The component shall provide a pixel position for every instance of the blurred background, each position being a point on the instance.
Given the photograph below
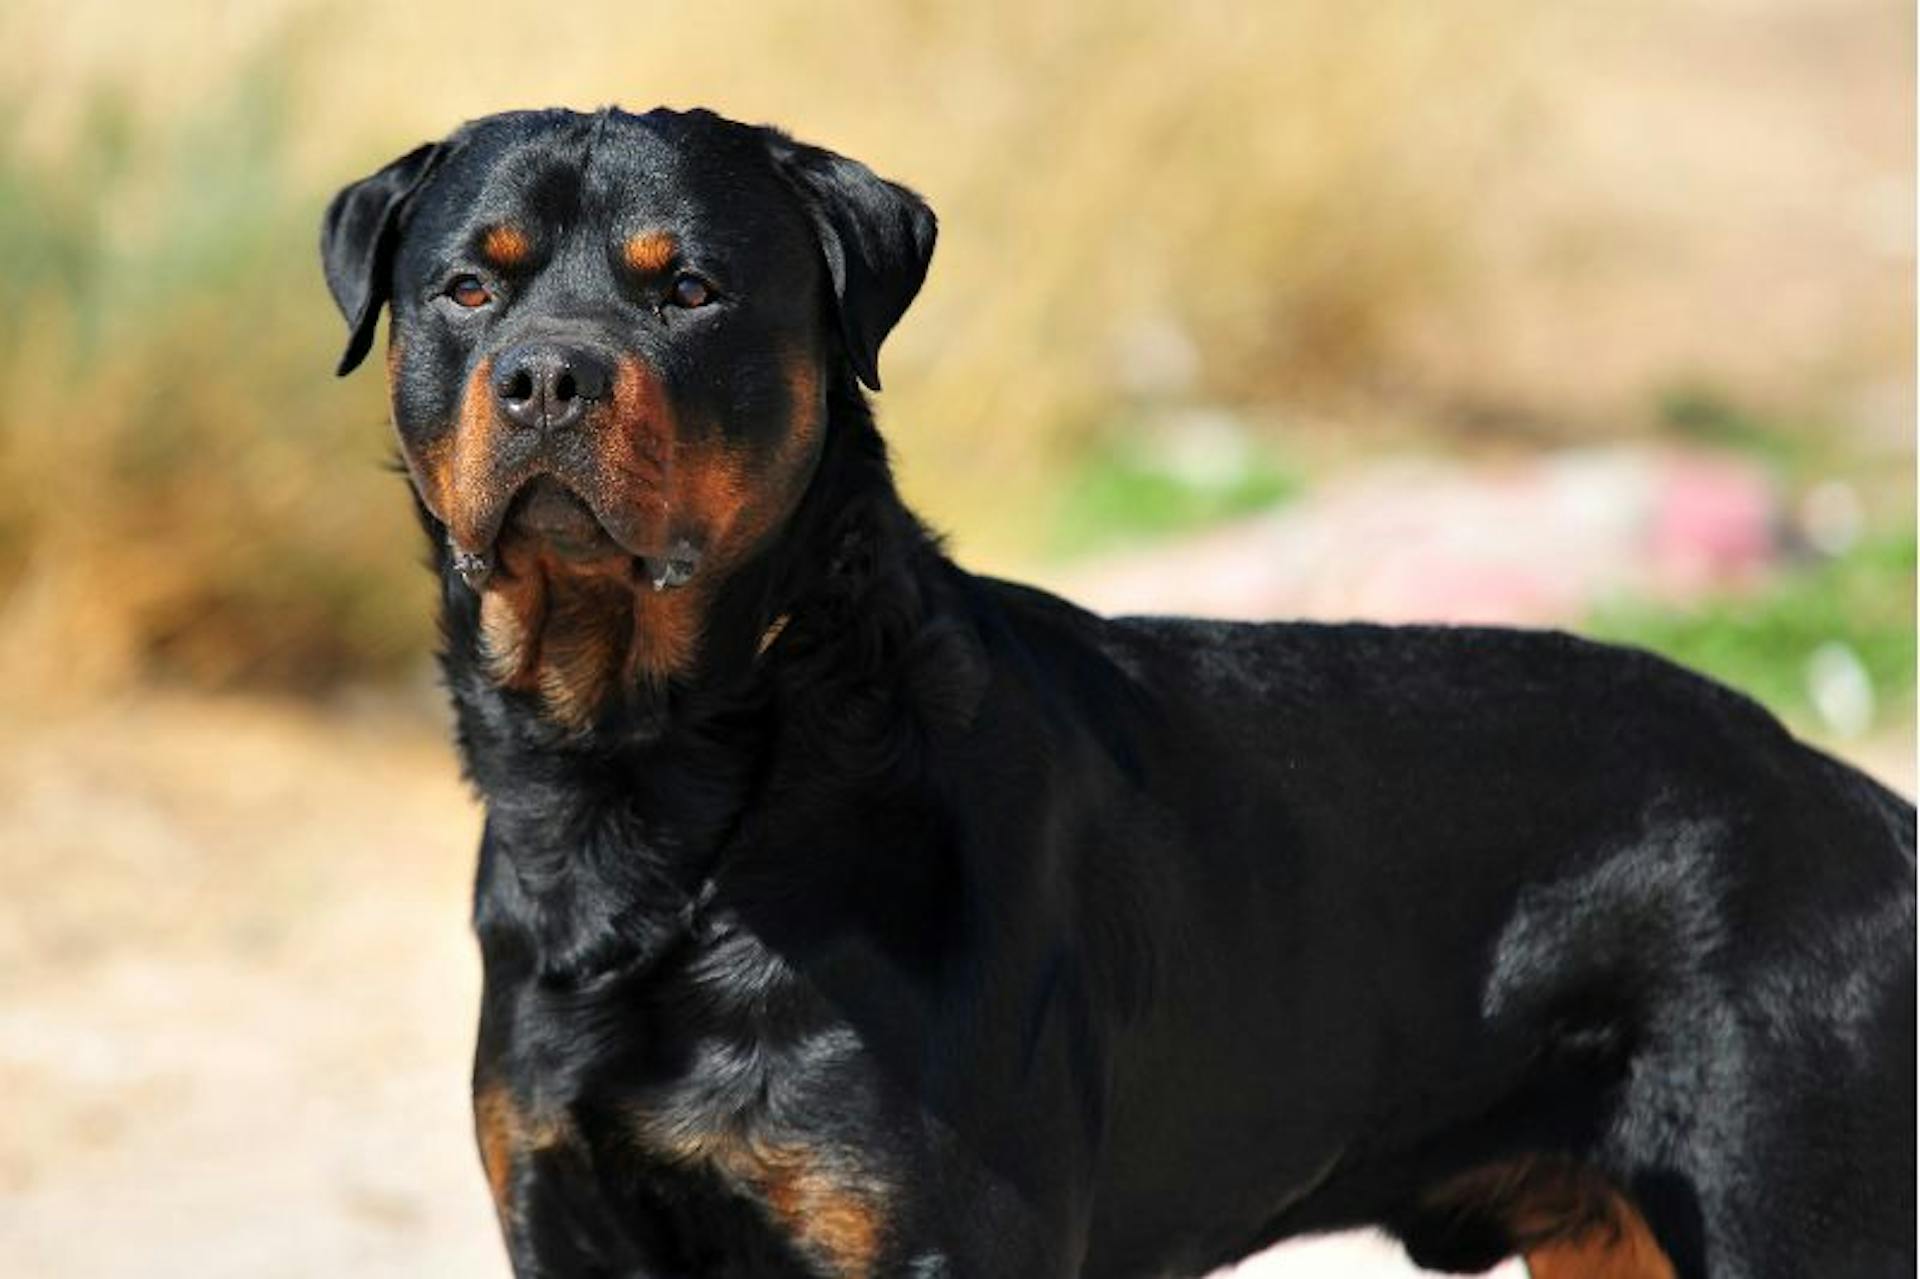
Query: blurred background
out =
(1597, 316)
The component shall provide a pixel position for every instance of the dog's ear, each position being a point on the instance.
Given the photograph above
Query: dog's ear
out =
(876, 236)
(357, 243)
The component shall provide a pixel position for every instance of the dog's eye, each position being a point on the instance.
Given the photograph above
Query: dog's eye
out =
(691, 291)
(468, 291)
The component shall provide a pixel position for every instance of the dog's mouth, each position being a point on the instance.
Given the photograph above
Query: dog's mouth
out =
(549, 511)
(550, 514)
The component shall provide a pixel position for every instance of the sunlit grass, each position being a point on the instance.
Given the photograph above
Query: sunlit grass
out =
(1143, 485)
(1857, 609)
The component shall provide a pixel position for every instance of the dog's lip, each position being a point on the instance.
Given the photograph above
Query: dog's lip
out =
(548, 509)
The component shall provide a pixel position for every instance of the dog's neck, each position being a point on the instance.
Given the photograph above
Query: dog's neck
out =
(817, 647)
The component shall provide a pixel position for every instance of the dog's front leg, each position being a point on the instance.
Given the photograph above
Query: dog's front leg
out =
(553, 1213)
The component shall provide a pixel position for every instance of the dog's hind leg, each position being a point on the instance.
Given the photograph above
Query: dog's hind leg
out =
(1777, 1141)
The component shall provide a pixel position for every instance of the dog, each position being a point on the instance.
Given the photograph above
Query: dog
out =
(844, 913)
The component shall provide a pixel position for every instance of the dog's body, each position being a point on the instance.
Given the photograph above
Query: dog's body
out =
(847, 914)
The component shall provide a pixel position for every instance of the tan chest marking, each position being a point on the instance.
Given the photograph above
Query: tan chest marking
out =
(577, 633)
(509, 1134)
(834, 1212)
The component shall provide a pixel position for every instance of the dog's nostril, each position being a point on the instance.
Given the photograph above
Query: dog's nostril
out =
(548, 387)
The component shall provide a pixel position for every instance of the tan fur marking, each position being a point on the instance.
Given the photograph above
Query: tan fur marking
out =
(505, 245)
(434, 473)
(508, 1133)
(647, 474)
(457, 474)
(581, 647)
(495, 1120)
(833, 1212)
(806, 424)
(556, 626)
(510, 618)
(572, 631)
(736, 498)
(711, 483)
(649, 252)
(1567, 1219)
(1625, 1249)
(806, 407)
(635, 449)
(730, 498)
(429, 462)
(667, 626)
(834, 1216)
(577, 631)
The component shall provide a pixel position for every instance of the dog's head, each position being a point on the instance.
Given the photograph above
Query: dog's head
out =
(612, 341)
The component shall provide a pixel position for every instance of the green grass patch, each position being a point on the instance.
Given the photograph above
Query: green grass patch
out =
(1762, 643)
(1137, 488)
(1804, 449)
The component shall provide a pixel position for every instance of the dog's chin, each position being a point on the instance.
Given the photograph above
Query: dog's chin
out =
(550, 514)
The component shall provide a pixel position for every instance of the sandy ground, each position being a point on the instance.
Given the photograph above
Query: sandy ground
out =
(236, 996)
(237, 992)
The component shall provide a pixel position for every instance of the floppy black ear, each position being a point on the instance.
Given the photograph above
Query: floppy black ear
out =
(357, 241)
(876, 236)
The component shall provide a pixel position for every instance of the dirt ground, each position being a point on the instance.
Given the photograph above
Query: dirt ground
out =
(237, 994)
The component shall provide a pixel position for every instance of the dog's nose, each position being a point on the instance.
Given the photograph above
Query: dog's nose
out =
(548, 387)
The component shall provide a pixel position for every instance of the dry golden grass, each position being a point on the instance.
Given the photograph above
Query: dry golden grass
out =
(1307, 203)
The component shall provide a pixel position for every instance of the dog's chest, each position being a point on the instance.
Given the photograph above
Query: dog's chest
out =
(724, 1082)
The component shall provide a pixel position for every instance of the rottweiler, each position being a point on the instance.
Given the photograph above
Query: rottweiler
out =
(846, 913)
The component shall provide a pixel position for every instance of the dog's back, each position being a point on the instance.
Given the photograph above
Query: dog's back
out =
(1500, 931)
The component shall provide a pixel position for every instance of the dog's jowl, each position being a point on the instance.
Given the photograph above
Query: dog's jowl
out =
(847, 914)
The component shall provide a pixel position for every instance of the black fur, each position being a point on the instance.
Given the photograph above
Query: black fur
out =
(357, 241)
(965, 933)
(877, 239)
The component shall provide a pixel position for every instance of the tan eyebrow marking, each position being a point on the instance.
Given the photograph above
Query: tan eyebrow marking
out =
(505, 245)
(649, 251)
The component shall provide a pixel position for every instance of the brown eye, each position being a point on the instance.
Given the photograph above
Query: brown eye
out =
(469, 292)
(691, 291)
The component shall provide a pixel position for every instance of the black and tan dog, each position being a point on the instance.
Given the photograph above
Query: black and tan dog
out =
(844, 913)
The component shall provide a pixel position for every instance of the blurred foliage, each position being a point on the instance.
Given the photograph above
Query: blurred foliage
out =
(187, 497)
(214, 508)
(1272, 189)
(1124, 490)
(1707, 415)
(1763, 643)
